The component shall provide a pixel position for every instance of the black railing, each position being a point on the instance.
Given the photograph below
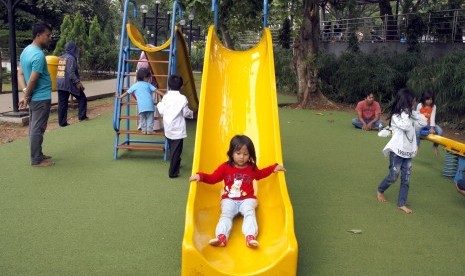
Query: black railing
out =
(435, 26)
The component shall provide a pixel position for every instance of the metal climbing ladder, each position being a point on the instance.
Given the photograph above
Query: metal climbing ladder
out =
(127, 136)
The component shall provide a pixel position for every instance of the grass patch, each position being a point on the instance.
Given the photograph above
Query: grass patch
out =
(92, 215)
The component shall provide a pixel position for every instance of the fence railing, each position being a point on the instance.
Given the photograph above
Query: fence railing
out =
(435, 26)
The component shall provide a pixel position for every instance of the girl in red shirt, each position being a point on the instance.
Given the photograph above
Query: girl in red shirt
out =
(238, 195)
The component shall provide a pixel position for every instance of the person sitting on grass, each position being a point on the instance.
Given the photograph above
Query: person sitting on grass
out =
(238, 195)
(427, 107)
(369, 114)
(145, 105)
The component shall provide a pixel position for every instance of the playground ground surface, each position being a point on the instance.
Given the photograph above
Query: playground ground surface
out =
(92, 215)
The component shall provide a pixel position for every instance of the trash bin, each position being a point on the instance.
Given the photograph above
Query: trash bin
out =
(52, 65)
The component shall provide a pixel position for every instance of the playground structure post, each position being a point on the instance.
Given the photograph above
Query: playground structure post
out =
(189, 41)
(155, 39)
(10, 6)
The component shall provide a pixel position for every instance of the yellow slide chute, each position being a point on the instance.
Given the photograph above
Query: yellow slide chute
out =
(238, 96)
(158, 58)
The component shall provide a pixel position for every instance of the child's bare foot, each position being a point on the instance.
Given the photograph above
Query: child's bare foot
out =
(381, 197)
(406, 210)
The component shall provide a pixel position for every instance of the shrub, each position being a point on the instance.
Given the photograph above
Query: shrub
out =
(446, 77)
(197, 55)
(284, 72)
(356, 73)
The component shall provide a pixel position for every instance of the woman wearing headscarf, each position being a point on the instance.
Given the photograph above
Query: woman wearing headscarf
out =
(68, 82)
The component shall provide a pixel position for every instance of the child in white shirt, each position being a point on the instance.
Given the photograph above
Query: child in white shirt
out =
(402, 147)
(174, 109)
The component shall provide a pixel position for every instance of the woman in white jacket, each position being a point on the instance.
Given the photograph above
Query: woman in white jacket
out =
(402, 147)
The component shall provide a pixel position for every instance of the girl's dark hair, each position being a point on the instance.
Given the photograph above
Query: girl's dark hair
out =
(143, 73)
(428, 94)
(403, 102)
(237, 142)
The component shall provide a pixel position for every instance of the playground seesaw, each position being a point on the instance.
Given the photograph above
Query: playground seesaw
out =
(449, 144)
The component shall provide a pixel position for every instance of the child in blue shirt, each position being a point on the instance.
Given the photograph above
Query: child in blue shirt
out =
(144, 95)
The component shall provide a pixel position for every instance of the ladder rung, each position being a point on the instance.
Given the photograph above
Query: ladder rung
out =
(149, 61)
(138, 132)
(134, 74)
(142, 147)
(135, 117)
(129, 103)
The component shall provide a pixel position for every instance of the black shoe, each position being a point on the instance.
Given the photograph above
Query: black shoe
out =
(174, 176)
(84, 119)
(64, 125)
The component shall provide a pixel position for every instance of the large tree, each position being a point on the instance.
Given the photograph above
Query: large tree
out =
(234, 17)
(305, 57)
(385, 11)
(54, 11)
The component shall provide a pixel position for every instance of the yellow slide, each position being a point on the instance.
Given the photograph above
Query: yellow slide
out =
(449, 144)
(158, 58)
(238, 96)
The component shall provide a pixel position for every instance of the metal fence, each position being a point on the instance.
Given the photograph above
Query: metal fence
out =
(436, 26)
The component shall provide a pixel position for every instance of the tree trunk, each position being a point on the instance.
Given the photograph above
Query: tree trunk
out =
(227, 41)
(1, 74)
(305, 54)
(385, 11)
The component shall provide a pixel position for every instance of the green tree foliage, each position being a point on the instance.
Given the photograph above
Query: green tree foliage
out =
(78, 34)
(415, 29)
(234, 17)
(101, 56)
(446, 77)
(285, 34)
(65, 30)
(347, 78)
(53, 11)
(284, 72)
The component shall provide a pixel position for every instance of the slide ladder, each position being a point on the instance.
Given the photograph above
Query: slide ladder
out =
(169, 58)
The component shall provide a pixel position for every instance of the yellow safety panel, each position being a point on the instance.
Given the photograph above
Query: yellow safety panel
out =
(160, 68)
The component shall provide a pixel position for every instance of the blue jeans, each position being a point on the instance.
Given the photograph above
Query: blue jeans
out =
(402, 166)
(437, 130)
(146, 121)
(378, 124)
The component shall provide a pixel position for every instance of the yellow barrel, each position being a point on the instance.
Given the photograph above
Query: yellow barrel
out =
(52, 65)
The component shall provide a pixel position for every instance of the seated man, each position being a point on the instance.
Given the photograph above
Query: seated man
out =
(369, 114)
(461, 186)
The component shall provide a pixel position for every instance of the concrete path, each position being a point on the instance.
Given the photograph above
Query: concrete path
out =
(94, 90)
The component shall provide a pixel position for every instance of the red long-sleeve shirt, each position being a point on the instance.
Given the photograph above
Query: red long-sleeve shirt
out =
(238, 182)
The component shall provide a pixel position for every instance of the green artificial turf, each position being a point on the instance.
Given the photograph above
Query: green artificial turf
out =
(92, 215)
